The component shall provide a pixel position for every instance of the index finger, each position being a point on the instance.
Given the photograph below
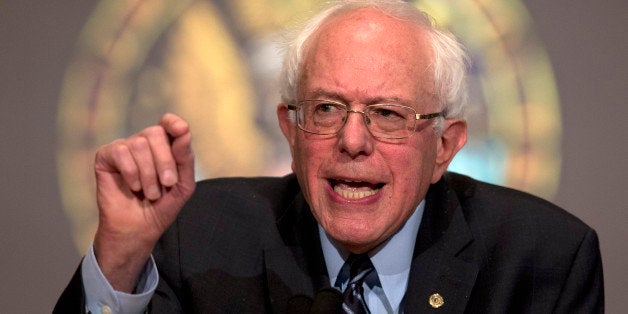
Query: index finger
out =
(180, 140)
(174, 125)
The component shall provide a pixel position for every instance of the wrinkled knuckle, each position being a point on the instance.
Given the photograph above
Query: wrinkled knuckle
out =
(129, 172)
(139, 143)
(154, 131)
(100, 152)
(119, 149)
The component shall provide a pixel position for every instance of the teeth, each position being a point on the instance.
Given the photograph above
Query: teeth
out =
(352, 193)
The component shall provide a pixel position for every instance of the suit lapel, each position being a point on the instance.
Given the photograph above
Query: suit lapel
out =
(442, 267)
(294, 262)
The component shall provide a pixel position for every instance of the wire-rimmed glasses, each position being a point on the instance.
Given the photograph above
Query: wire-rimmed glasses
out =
(384, 121)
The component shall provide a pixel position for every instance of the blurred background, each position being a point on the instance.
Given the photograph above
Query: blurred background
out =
(547, 110)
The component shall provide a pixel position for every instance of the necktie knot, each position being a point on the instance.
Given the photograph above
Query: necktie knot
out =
(353, 297)
(359, 266)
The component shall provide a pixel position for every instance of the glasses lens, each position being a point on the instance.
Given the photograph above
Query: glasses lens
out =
(390, 121)
(321, 117)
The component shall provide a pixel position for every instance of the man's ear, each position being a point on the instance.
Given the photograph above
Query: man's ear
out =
(286, 123)
(452, 139)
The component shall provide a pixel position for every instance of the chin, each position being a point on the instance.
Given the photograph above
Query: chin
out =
(357, 238)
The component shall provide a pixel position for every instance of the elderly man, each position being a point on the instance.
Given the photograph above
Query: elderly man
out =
(372, 110)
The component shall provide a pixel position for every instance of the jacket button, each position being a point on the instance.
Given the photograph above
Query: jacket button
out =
(436, 300)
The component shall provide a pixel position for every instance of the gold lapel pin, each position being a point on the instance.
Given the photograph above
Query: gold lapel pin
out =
(436, 300)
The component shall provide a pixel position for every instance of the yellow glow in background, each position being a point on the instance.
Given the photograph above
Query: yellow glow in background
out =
(216, 64)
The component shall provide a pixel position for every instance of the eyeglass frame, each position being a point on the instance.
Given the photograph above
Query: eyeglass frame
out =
(366, 118)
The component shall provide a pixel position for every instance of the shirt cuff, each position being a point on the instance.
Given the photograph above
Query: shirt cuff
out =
(100, 297)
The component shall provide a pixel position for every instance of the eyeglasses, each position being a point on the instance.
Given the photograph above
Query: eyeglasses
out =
(384, 121)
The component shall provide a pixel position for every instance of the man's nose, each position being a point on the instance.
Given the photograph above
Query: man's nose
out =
(355, 138)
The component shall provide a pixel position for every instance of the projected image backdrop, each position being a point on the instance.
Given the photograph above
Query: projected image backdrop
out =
(216, 64)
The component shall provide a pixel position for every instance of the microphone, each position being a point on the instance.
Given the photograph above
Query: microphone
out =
(326, 301)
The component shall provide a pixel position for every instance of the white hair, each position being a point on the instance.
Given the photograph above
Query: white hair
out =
(448, 67)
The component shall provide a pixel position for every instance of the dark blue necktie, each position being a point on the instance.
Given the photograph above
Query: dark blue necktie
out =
(353, 298)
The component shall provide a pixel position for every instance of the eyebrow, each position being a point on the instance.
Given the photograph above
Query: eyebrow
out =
(326, 94)
(322, 93)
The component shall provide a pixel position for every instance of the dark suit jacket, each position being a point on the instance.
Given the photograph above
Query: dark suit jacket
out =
(249, 245)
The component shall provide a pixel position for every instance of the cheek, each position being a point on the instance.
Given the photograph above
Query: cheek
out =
(300, 162)
(412, 169)
(407, 164)
(303, 156)
(307, 157)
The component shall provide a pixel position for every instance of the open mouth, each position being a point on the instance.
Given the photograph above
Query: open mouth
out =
(355, 189)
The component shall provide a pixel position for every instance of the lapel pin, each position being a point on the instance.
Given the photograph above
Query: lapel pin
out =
(436, 300)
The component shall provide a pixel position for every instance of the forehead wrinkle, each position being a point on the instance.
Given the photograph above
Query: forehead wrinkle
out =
(367, 99)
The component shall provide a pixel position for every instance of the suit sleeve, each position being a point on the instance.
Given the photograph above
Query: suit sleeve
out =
(168, 296)
(583, 291)
(72, 300)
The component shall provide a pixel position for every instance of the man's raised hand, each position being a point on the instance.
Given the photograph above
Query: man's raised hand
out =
(142, 183)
